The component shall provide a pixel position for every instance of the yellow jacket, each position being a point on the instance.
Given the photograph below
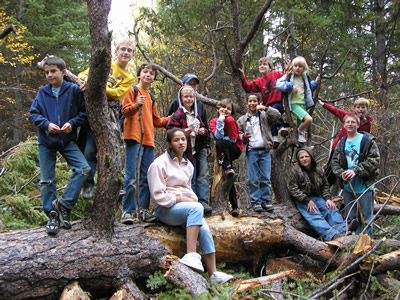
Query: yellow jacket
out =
(118, 83)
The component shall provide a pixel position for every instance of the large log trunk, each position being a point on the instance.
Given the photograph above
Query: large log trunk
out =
(35, 264)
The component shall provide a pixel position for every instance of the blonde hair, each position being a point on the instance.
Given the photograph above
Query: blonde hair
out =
(266, 60)
(362, 102)
(299, 60)
(125, 41)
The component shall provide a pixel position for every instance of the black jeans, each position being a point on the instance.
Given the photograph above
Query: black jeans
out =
(228, 152)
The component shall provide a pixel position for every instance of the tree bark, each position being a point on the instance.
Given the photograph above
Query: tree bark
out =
(33, 264)
(102, 121)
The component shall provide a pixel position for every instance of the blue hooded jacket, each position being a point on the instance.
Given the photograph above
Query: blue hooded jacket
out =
(68, 107)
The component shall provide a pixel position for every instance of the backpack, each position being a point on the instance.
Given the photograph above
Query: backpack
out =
(121, 116)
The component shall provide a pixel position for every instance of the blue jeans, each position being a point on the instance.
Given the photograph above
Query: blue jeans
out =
(90, 153)
(188, 214)
(200, 184)
(80, 170)
(367, 209)
(327, 222)
(146, 158)
(259, 176)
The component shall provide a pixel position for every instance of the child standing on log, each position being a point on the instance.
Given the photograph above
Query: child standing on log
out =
(131, 107)
(118, 84)
(187, 117)
(229, 145)
(356, 162)
(57, 111)
(361, 106)
(255, 130)
(299, 88)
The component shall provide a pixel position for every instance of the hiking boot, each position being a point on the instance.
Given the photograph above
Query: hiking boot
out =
(283, 132)
(220, 277)
(229, 172)
(267, 207)
(147, 216)
(193, 261)
(235, 212)
(127, 218)
(258, 208)
(87, 193)
(300, 137)
(63, 213)
(207, 208)
(52, 226)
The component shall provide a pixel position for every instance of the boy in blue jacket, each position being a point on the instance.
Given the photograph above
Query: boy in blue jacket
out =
(57, 111)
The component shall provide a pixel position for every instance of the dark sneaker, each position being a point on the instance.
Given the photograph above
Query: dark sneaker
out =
(258, 208)
(87, 193)
(207, 208)
(283, 132)
(127, 218)
(52, 226)
(147, 216)
(235, 212)
(229, 173)
(352, 226)
(267, 207)
(63, 213)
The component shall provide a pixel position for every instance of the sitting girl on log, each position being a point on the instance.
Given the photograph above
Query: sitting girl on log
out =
(169, 178)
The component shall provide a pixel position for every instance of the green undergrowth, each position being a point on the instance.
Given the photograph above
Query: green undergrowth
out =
(20, 203)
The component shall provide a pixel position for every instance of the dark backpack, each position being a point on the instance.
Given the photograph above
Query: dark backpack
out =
(121, 116)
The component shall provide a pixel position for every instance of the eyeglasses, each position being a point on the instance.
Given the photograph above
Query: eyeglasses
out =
(124, 49)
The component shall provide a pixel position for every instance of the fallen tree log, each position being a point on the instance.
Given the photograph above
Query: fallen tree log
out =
(33, 264)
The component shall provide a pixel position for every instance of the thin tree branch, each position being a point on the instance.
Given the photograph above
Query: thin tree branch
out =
(344, 97)
(256, 24)
(331, 284)
(338, 68)
(10, 28)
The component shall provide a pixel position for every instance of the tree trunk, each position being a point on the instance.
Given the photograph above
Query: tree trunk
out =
(102, 121)
(34, 264)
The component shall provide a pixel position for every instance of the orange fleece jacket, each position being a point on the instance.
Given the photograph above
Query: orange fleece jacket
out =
(150, 117)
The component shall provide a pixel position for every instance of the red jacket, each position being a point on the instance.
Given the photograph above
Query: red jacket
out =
(365, 125)
(265, 86)
(231, 130)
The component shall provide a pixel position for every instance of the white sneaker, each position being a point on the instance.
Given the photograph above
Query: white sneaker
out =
(220, 277)
(193, 261)
(127, 218)
(300, 137)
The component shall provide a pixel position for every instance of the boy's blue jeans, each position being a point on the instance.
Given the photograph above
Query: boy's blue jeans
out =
(327, 222)
(367, 209)
(188, 214)
(146, 158)
(200, 183)
(80, 170)
(259, 176)
(90, 153)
